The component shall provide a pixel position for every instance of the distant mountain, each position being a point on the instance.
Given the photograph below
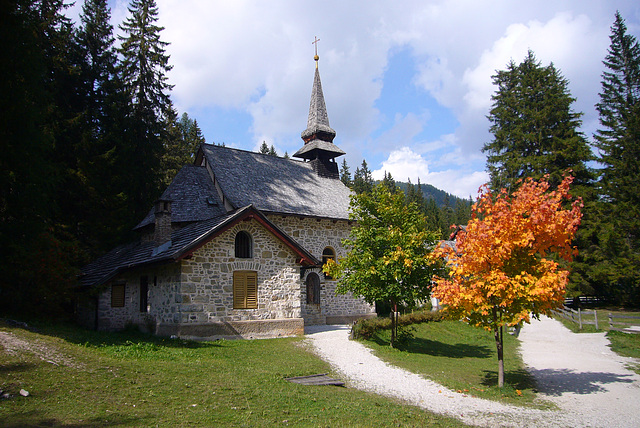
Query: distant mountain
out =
(429, 191)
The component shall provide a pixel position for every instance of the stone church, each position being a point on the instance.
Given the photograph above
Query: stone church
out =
(235, 247)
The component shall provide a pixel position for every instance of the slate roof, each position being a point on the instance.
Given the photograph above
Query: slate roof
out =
(193, 197)
(276, 185)
(318, 120)
(183, 241)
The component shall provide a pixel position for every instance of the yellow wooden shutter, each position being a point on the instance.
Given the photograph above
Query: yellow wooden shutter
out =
(252, 290)
(245, 290)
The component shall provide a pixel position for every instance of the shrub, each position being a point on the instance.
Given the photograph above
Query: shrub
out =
(366, 328)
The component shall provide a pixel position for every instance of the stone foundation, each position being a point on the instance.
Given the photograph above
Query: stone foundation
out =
(255, 329)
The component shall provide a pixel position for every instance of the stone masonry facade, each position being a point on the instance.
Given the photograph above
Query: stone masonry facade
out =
(194, 297)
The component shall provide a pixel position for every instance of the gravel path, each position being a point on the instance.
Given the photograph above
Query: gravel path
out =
(362, 370)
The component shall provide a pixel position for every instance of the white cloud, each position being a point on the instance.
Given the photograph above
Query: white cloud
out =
(402, 164)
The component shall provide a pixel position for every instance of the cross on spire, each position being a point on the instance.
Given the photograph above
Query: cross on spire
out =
(315, 43)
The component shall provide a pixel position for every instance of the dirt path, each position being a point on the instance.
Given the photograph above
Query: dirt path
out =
(581, 374)
(363, 370)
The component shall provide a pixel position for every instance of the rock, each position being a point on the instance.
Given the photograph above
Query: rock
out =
(24, 393)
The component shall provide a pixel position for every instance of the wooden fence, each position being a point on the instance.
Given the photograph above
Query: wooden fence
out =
(625, 323)
(577, 316)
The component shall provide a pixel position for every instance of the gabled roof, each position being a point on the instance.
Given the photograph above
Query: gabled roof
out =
(275, 185)
(183, 243)
(193, 197)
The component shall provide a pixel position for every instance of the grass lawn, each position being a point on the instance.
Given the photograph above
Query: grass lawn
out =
(81, 378)
(462, 358)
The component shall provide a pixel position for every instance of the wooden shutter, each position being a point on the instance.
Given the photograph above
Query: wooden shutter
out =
(117, 296)
(245, 290)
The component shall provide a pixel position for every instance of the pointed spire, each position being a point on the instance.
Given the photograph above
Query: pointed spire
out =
(318, 122)
(318, 137)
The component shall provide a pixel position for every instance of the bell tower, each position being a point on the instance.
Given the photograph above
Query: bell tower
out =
(318, 147)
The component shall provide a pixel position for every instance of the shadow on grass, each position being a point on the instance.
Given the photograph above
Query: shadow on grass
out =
(518, 379)
(81, 336)
(15, 367)
(40, 419)
(417, 345)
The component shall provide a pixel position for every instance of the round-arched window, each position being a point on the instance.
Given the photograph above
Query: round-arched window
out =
(244, 245)
(328, 253)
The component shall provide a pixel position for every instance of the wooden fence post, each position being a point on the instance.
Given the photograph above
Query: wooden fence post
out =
(580, 318)
(595, 315)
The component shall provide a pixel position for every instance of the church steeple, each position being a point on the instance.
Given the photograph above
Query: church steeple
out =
(318, 137)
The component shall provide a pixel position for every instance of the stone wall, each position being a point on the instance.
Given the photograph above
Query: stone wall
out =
(206, 293)
(315, 235)
(163, 284)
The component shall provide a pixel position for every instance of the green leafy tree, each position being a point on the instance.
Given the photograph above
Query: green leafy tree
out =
(389, 252)
(534, 127)
(144, 69)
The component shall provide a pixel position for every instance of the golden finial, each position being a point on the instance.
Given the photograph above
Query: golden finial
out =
(315, 42)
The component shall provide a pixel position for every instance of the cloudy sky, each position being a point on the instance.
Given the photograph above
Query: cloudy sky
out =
(407, 83)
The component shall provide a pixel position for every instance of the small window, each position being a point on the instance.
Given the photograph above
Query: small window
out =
(328, 253)
(245, 290)
(244, 246)
(313, 289)
(117, 296)
(144, 294)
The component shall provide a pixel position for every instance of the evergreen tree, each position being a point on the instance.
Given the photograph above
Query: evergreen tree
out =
(103, 218)
(345, 174)
(535, 130)
(617, 253)
(389, 182)
(264, 148)
(144, 67)
(184, 139)
(362, 180)
(272, 151)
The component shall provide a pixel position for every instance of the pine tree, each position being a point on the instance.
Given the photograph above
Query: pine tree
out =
(144, 71)
(614, 263)
(362, 180)
(264, 148)
(389, 182)
(535, 130)
(345, 174)
(183, 140)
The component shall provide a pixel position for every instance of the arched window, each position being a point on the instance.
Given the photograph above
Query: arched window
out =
(313, 289)
(328, 253)
(244, 245)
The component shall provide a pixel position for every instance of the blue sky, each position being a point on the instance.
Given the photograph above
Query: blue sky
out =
(407, 83)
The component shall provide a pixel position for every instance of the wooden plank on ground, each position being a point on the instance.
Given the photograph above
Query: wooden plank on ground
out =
(317, 379)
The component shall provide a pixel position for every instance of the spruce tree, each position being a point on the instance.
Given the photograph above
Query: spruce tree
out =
(362, 180)
(144, 69)
(534, 127)
(345, 174)
(614, 226)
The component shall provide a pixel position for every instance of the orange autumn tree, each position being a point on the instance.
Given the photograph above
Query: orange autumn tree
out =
(507, 264)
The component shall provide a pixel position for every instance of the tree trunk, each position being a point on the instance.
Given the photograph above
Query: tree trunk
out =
(394, 323)
(497, 333)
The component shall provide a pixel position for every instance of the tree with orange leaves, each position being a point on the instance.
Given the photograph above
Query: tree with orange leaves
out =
(506, 266)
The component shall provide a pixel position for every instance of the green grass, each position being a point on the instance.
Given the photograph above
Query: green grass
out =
(130, 379)
(627, 345)
(462, 358)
